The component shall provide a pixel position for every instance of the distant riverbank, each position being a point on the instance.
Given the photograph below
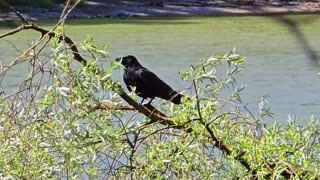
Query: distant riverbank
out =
(98, 8)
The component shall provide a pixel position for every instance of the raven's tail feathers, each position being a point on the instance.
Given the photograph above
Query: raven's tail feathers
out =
(176, 98)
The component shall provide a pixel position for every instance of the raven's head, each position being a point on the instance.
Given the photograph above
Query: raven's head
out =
(128, 61)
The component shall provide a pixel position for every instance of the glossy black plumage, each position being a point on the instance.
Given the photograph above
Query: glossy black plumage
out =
(145, 82)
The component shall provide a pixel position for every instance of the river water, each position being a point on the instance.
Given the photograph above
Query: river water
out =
(282, 59)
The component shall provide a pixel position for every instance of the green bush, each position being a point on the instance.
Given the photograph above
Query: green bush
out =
(55, 125)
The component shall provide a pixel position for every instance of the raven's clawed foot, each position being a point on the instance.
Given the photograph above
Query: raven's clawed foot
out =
(148, 104)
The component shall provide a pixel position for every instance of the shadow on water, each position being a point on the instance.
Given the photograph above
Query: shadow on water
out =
(160, 20)
(9, 24)
(294, 28)
(178, 20)
(134, 21)
(150, 20)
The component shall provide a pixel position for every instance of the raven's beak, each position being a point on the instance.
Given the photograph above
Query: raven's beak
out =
(119, 59)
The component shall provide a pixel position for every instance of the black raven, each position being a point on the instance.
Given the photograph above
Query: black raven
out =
(145, 82)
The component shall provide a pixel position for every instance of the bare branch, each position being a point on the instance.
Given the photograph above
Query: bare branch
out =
(5, 4)
(44, 33)
(108, 107)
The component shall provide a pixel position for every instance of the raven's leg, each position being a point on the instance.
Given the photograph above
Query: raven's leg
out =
(142, 101)
(149, 103)
(146, 104)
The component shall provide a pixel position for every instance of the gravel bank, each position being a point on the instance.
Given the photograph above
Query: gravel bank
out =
(98, 8)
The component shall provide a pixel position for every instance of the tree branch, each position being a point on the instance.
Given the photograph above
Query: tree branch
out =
(6, 5)
(158, 117)
(108, 107)
(149, 111)
(44, 33)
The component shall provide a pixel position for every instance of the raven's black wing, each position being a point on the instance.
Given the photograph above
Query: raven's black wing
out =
(153, 86)
(127, 81)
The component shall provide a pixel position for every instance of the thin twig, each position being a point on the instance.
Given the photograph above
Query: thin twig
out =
(198, 100)
(44, 33)
(5, 4)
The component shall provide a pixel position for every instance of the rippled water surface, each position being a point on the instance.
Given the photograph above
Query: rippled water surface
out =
(280, 55)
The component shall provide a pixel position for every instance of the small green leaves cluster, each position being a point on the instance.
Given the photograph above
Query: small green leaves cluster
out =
(52, 132)
(49, 130)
